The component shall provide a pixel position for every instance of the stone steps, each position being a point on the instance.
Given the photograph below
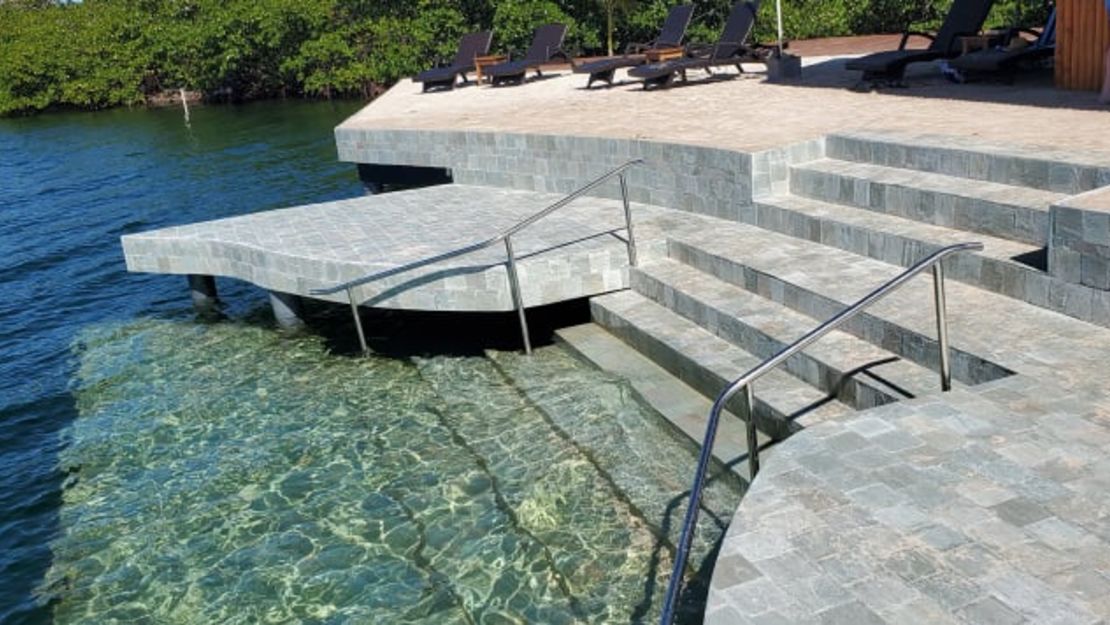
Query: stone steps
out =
(706, 362)
(1007, 267)
(990, 208)
(975, 158)
(856, 372)
(991, 335)
(683, 407)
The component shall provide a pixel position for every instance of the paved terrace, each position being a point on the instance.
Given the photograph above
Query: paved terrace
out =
(750, 114)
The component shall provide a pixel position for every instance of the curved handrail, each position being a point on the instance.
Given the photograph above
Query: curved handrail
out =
(480, 245)
(745, 382)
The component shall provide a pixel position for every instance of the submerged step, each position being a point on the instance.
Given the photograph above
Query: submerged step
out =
(855, 371)
(683, 407)
(648, 460)
(553, 493)
(1004, 211)
(708, 363)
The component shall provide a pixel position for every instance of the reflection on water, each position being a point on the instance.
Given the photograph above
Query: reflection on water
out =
(229, 473)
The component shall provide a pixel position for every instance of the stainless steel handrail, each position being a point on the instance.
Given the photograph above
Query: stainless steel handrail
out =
(744, 383)
(503, 236)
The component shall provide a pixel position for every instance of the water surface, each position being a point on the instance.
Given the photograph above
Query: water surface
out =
(159, 468)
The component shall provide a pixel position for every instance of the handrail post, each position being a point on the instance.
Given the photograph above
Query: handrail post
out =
(633, 260)
(358, 321)
(518, 298)
(753, 434)
(942, 327)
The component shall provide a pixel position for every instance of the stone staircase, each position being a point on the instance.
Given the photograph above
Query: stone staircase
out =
(728, 294)
(898, 199)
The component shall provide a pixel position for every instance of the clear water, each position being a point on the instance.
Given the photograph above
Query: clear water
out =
(157, 468)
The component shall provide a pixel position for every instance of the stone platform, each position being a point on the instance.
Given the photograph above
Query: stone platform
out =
(576, 252)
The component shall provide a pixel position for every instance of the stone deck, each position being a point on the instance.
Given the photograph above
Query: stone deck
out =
(299, 249)
(750, 114)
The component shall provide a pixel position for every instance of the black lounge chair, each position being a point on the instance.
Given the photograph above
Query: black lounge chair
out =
(1007, 60)
(965, 18)
(547, 43)
(671, 36)
(470, 46)
(731, 49)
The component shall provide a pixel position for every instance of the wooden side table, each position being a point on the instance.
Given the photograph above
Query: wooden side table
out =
(486, 61)
(664, 54)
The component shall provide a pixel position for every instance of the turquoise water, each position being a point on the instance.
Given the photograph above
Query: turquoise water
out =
(159, 468)
(227, 473)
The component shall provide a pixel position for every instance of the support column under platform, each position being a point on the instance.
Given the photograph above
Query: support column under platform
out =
(203, 291)
(288, 310)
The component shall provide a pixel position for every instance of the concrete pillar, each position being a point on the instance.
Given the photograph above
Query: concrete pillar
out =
(203, 291)
(287, 310)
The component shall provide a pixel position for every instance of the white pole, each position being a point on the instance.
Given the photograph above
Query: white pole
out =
(184, 104)
(778, 11)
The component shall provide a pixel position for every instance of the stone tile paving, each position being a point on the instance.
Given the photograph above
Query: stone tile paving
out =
(749, 113)
(298, 249)
(989, 505)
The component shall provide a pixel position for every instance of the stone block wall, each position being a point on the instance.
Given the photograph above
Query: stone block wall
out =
(704, 180)
(1079, 241)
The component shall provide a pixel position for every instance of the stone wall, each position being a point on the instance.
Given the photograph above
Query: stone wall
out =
(1079, 240)
(709, 181)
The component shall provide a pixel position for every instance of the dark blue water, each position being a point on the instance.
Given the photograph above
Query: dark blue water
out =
(70, 185)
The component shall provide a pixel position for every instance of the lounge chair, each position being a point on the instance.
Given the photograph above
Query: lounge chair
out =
(1006, 60)
(671, 36)
(470, 46)
(547, 43)
(965, 18)
(731, 49)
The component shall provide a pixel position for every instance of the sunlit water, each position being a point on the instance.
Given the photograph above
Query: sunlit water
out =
(156, 468)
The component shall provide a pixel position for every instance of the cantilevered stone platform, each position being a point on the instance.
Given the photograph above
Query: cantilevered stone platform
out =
(576, 252)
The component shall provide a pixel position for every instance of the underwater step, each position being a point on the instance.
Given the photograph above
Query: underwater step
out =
(320, 488)
(683, 407)
(639, 451)
(600, 547)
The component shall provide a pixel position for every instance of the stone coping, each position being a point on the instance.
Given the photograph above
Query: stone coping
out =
(1097, 200)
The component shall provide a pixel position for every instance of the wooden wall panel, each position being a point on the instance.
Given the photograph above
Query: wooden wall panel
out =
(1082, 37)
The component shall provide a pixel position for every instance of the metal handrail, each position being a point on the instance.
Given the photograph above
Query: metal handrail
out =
(504, 236)
(744, 383)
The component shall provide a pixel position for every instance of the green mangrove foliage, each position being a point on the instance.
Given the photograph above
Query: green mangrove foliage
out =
(101, 53)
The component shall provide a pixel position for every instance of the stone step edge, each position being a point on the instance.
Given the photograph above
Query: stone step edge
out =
(684, 408)
(860, 391)
(1016, 165)
(995, 274)
(777, 422)
(1000, 217)
(922, 349)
